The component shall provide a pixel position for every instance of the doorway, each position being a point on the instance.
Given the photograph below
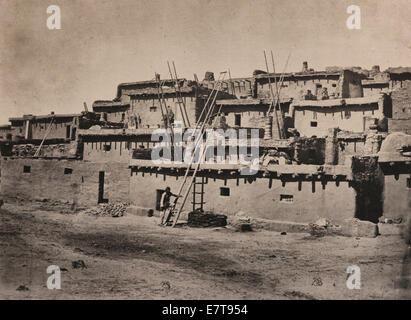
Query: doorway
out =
(237, 120)
(101, 188)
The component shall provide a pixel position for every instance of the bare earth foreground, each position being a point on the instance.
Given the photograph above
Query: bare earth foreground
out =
(134, 258)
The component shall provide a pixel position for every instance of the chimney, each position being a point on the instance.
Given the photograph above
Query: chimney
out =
(375, 69)
(305, 66)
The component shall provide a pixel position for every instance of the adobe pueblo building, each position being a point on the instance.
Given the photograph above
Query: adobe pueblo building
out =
(323, 147)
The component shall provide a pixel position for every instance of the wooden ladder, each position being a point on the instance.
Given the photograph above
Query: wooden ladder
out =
(180, 100)
(198, 204)
(163, 107)
(193, 167)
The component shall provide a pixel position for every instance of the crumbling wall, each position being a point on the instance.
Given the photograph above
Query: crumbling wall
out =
(351, 85)
(62, 150)
(368, 182)
(73, 181)
(401, 105)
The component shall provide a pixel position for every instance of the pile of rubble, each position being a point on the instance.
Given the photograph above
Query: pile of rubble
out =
(199, 219)
(116, 209)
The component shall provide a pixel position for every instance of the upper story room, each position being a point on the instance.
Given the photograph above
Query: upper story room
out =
(333, 83)
(58, 127)
(137, 104)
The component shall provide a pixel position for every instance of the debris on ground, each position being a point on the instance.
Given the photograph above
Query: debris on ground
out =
(317, 281)
(319, 228)
(78, 264)
(22, 288)
(383, 219)
(115, 209)
(206, 219)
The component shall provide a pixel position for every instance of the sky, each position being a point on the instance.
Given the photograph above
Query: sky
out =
(103, 43)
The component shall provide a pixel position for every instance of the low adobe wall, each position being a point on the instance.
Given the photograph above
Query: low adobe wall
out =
(297, 202)
(65, 180)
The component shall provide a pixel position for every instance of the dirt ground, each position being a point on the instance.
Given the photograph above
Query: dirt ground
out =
(133, 258)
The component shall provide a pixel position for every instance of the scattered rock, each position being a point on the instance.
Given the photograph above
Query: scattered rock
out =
(115, 209)
(317, 281)
(166, 285)
(245, 227)
(22, 288)
(207, 219)
(78, 264)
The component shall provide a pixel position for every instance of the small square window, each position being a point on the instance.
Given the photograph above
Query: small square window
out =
(68, 171)
(107, 147)
(287, 198)
(225, 192)
(334, 85)
(314, 124)
(153, 109)
(26, 169)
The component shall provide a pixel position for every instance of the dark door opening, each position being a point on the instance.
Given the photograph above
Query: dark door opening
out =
(101, 188)
(237, 120)
(68, 131)
(159, 193)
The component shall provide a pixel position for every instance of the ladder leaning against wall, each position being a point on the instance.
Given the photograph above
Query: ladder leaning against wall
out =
(193, 166)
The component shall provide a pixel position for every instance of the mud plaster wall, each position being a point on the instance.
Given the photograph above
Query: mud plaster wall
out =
(401, 107)
(108, 151)
(397, 197)
(152, 117)
(348, 118)
(47, 180)
(295, 89)
(256, 199)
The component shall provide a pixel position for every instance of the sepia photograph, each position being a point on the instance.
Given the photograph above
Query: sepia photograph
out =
(218, 151)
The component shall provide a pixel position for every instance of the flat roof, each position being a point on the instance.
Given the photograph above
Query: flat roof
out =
(41, 117)
(330, 103)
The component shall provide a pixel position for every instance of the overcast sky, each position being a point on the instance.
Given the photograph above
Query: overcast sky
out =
(103, 43)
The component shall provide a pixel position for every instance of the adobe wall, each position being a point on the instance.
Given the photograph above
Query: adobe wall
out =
(351, 85)
(148, 109)
(256, 199)
(348, 118)
(109, 151)
(401, 107)
(397, 197)
(295, 89)
(47, 180)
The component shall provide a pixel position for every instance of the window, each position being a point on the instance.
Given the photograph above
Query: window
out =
(347, 114)
(334, 85)
(107, 147)
(287, 198)
(409, 183)
(225, 192)
(68, 171)
(26, 169)
(153, 109)
(313, 124)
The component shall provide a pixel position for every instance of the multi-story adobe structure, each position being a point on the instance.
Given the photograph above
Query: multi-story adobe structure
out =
(291, 184)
